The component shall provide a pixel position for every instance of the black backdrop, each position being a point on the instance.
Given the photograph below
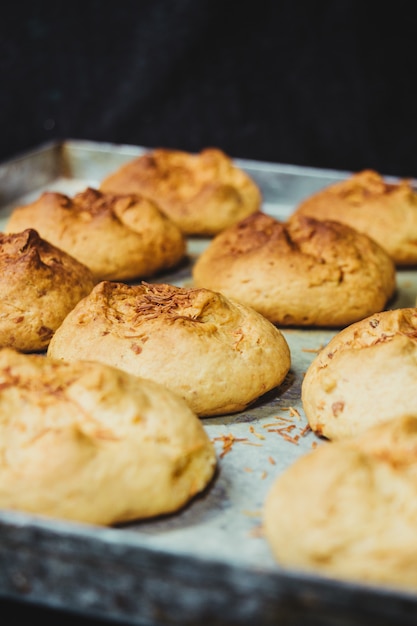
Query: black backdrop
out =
(327, 84)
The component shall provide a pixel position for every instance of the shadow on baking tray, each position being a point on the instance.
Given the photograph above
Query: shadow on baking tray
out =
(208, 504)
(217, 498)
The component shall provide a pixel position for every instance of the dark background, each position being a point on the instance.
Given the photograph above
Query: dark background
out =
(327, 84)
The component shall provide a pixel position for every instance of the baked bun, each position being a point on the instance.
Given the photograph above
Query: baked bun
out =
(119, 237)
(348, 509)
(387, 212)
(218, 355)
(301, 273)
(366, 374)
(39, 285)
(86, 442)
(202, 193)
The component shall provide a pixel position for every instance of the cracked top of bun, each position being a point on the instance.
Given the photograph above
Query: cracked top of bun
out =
(39, 285)
(202, 193)
(86, 442)
(219, 355)
(384, 210)
(118, 236)
(303, 272)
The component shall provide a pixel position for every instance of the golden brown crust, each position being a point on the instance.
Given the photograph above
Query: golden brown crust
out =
(119, 237)
(304, 272)
(348, 509)
(87, 442)
(365, 375)
(39, 285)
(218, 355)
(203, 193)
(387, 212)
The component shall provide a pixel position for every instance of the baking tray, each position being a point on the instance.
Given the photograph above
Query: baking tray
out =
(208, 563)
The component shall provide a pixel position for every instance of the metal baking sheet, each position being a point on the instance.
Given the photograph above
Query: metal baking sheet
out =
(209, 563)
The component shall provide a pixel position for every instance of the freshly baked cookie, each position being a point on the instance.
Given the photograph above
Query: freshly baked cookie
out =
(385, 211)
(202, 193)
(39, 285)
(218, 355)
(119, 237)
(366, 374)
(304, 272)
(348, 509)
(86, 442)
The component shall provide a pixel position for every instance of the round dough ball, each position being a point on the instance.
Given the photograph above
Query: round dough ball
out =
(218, 355)
(387, 212)
(202, 193)
(39, 285)
(304, 272)
(119, 237)
(366, 374)
(86, 442)
(348, 509)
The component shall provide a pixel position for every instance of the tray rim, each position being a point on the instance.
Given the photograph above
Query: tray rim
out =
(60, 145)
(276, 589)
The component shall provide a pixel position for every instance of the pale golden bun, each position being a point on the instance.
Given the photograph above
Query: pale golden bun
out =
(366, 374)
(89, 443)
(218, 355)
(39, 285)
(385, 211)
(202, 193)
(119, 237)
(348, 509)
(303, 272)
